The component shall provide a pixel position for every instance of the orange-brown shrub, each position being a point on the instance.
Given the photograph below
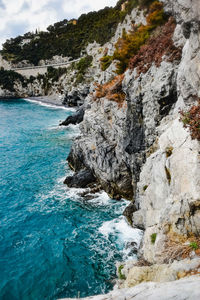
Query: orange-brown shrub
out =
(191, 120)
(112, 90)
(130, 43)
(156, 14)
(156, 48)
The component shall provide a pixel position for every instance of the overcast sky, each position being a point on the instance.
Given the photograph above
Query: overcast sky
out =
(20, 16)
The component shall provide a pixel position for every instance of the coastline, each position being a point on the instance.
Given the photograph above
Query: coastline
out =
(50, 101)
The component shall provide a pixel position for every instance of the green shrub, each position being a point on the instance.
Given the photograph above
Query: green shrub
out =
(9, 78)
(84, 63)
(153, 238)
(82, 66)
(130, 43)
(157, 16)
(79, 78)
(194, 245)
(121, 276)
(106, 62)
(54, 74)
(145, 2)
(128, 46)
(145, 187)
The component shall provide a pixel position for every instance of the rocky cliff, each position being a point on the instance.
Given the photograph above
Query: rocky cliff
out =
(136, 146)
(140, 137)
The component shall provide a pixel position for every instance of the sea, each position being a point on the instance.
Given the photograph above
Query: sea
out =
(53, 242)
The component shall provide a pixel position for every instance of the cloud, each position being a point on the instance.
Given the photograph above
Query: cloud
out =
(77, 7)
(18, 17)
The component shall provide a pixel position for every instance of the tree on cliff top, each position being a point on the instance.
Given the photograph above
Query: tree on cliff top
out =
(69, 38)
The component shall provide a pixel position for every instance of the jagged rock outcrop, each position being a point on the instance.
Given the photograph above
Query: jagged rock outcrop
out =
(114, 139)
(169, 190)
(74, 119)
(81, 180)
(99, 149)
(76, 97)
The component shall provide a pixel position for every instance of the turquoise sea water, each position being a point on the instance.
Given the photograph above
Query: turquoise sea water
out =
(53, 244)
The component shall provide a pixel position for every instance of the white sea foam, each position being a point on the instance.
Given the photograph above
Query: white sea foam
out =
(101, 198)
(56, 127)
(72, 130)
(50, 105)
(123, 235)
(118, 231)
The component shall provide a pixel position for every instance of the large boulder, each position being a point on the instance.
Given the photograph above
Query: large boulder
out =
(76, 118)
(80, 179)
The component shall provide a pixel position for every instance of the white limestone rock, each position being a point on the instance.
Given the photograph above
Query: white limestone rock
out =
(186, 288)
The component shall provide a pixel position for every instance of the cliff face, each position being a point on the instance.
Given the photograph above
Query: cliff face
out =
(139, 149)
(60, 81)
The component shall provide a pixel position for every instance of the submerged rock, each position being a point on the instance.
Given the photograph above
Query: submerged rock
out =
(90, 192)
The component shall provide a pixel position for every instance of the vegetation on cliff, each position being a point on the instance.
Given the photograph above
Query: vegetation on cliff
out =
(159, 45)
(191, 120)
(9, 78)
(69, 38)
(142, 46)
(112, 90)
(82, 66)
(130, 43)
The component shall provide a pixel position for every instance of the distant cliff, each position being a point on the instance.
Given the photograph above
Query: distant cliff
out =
(83, 39)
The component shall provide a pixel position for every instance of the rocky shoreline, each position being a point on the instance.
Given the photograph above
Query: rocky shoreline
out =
(139, 149)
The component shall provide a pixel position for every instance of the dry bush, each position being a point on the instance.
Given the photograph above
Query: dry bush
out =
(193, 272)
(177, 248)
(130, 43)
(191, 120)
(112, 90)
(142, 263)
(156, 48)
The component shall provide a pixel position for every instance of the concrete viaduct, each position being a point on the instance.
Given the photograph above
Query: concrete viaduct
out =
(36, 70)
